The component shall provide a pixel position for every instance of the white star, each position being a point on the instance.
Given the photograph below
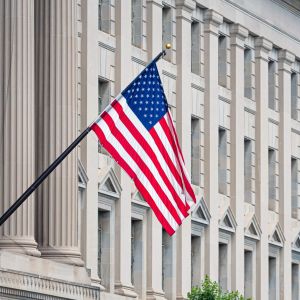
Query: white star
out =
(134, 83)
(147, 102)
(146, 108)
(156, 116)
(151, 115)
(142, 95)
(140, 108)
(134, 102)
(145, 115)
(147, 95)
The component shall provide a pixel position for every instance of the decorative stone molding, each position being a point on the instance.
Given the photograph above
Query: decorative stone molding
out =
(29, 286)
(262, 48)
(285, 60)
(201, 213)
(228, 222)
(238, 34)
(212, 21)
(277, 237)
(110, 185)
(253, 230)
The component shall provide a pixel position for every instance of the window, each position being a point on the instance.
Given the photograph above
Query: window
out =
(248, 170)
(272, 279)
(103, 95)
(137, 255)
(223, 266)
(167, 267)
(295, 282)
(222, 57)
(294, 96)
(248, 73)
(294, 188)
(195, 151)
(248, 274)
(167, 28)
(136, 22)
(271, 84)
(104, 15)
(195, 47)
(222, 161)
(103, 101)
(104, 247)
(195, 260)
(272, 179)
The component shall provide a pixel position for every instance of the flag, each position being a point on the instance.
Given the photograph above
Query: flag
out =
(138, 131)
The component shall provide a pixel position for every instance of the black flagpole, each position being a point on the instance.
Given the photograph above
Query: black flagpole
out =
(42, 177)
(52, 167)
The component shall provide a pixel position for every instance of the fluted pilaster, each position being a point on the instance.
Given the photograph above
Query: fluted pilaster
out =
(17, 153)
(55, 29)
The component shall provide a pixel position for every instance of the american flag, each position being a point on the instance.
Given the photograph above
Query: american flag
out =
(138, 131)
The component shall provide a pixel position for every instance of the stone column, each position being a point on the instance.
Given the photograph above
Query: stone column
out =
(154, 234)
(211, 108)
(284, 68)
(56, 114)
(123, 285)
(262, 48)
(184, 10)
(237, 38)
(89, 146)
(17, 155)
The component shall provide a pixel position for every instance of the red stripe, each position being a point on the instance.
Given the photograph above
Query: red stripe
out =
(144, 168)
(131, 173)
(171, 125)
(169, 136)
(147, 148)
(166, 156)
(174, 134)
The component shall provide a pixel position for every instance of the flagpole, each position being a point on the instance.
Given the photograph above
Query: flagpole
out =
(53, 166)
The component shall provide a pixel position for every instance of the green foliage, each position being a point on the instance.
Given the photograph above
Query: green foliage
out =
(210, 290)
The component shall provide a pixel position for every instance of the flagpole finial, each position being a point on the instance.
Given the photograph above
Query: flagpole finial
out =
(168, 46)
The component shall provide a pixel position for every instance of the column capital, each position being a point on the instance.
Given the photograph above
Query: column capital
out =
(262, 48)
(285, 60)
(184, 9)
(155, 2)
(238, 34)
(212, 21)
(188, 5)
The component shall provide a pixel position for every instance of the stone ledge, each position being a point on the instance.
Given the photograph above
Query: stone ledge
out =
(20, 285)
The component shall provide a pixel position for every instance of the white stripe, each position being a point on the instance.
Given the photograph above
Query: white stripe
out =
(144, 180)
(145, 133)
(145, 158)
(189, 197)
(169, 149)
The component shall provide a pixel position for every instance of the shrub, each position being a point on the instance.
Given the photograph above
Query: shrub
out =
(210, 290)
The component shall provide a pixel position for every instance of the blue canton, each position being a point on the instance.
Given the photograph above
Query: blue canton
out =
(146, 98)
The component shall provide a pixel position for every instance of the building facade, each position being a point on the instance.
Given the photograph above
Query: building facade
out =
(232, 80)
